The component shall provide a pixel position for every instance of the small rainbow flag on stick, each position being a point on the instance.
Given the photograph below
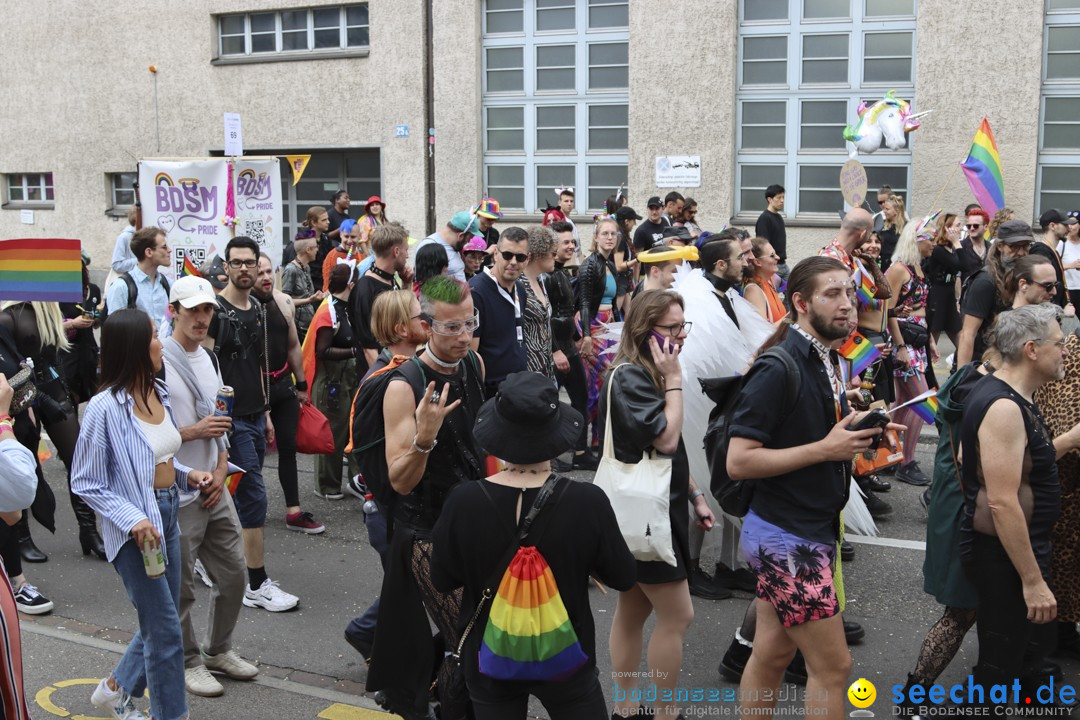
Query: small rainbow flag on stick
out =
(865, 287)
(188, 268)
(925, 405)
(233, 476)
(49, 270)
(983, 170)
(860, 352)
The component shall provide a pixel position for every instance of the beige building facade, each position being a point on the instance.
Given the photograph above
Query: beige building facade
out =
(435, 104)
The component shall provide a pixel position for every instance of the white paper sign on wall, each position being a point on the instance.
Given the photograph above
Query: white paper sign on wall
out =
(234, 136)
(678, 171)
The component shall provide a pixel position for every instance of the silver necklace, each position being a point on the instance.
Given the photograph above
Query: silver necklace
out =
(441, 363)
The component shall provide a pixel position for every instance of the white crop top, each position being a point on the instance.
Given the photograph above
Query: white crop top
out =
(164, 438)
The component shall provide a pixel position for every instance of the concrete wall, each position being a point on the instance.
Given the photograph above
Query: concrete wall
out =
(80, 102)
(682, 99)
(459, 148)
(998, 76)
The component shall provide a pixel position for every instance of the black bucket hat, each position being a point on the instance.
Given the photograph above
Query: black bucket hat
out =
(525, 422)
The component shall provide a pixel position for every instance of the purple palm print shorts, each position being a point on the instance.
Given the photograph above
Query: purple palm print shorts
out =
(794, 575)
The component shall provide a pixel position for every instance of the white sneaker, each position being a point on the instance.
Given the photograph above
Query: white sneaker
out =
(231, 665)
(200, 572)
(330, 496)
(200, 682)
(270, 597)
(118, 702)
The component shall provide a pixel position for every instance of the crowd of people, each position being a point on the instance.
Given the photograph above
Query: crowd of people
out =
(440, 382)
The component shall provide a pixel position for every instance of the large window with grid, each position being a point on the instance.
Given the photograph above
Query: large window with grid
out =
(1059, 131)
(804, 66)
(298, 33)
(556, 100)
(29, 190)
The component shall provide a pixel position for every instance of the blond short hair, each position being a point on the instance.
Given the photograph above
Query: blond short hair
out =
(391, 308)
(386, 237)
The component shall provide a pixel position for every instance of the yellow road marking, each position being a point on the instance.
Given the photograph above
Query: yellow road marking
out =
(340, 711)
(44, 698)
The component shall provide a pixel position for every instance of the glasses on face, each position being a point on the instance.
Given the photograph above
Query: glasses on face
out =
(677, 329)
(508, 256)
(1050, 286)
(1059, 344)
(237, 264)
(974, 226)
(453, 328)
(163, 246)
(1025, 246)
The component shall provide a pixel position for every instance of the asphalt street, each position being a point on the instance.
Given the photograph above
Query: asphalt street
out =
(310, 672)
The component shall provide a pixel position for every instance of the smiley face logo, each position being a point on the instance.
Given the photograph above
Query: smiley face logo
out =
(862, 693)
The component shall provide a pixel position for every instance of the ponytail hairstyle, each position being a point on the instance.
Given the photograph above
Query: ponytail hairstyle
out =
(804, 281)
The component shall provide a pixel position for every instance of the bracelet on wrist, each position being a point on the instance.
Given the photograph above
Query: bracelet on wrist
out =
(424, 451)
(674, 389)
(302, 386)
(696, 494)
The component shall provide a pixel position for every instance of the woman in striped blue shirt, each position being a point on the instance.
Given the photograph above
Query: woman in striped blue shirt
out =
(125, 469)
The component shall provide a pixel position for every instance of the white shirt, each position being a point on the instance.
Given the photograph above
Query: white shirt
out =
(1070, 252)
(456, 268)
(198, 454)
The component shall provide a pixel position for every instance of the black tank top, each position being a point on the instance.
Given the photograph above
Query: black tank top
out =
(277, 329)
(1041, 476)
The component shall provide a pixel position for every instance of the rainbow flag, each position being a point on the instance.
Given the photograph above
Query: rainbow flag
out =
(983, 170)
(865, 287)
(188, 268)
(926, 409)
(49, 270)
(860, 352)
(233, 476)
(529, 635)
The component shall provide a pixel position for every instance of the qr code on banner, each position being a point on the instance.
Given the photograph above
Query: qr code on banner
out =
(197, 255)
(255, 228)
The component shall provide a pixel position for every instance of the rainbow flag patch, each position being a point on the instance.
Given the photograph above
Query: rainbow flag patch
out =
(859, 352)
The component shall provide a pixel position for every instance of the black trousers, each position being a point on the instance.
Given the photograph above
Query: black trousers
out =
(579, 697)
(1008, 642)
(577, 388)
(285, 414)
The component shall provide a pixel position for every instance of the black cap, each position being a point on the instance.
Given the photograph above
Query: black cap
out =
(626, 213)
(679, 233)
(654, 201)
(1051, 216)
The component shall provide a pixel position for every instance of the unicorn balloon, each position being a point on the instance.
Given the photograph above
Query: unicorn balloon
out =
(889, 119)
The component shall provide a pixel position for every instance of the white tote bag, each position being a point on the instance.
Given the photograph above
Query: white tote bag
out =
(639, 494)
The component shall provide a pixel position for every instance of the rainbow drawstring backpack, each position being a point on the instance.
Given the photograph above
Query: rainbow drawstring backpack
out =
(528, 635)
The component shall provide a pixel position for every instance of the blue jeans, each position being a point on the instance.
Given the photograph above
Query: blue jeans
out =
(363, 627)
(155, 656)
(247, 452)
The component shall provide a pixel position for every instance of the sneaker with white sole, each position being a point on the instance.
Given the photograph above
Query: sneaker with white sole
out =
(31, 602)
(230, 664)
(200, 682)
(356, 487)
(270, 597)
(200, 572)
(304, 522)
(330, 496)
(118, 702)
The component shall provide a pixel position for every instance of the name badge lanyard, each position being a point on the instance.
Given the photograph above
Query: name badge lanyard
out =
(512, 299)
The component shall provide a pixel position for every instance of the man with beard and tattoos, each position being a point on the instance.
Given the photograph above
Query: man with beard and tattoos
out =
(984, 295)
(237, 338)
(286, 396)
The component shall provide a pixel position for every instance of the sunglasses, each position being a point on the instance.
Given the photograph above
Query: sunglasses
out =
(508, 256)
(1050, 287)
(976, 226)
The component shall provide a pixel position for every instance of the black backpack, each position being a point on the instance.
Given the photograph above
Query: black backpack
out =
(133, 291)
(367, 430)
(735, 496)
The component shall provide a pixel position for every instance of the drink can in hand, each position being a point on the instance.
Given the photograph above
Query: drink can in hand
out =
(153, 560)
(223, 403)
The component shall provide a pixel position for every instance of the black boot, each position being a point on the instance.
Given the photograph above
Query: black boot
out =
(89, 538)
(734, 661)
(27, 549)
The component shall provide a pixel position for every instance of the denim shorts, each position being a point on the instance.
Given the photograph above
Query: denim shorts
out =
(794, 575)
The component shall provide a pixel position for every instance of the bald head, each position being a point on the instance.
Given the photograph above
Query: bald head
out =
(855, 228)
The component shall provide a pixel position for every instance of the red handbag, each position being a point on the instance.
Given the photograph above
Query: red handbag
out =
(313, 436)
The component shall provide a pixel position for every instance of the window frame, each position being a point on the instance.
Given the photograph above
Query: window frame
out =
(794, 92)
(45, 188)
(581, 98)
(113, 190)
(1064, 88)
(279, 53)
